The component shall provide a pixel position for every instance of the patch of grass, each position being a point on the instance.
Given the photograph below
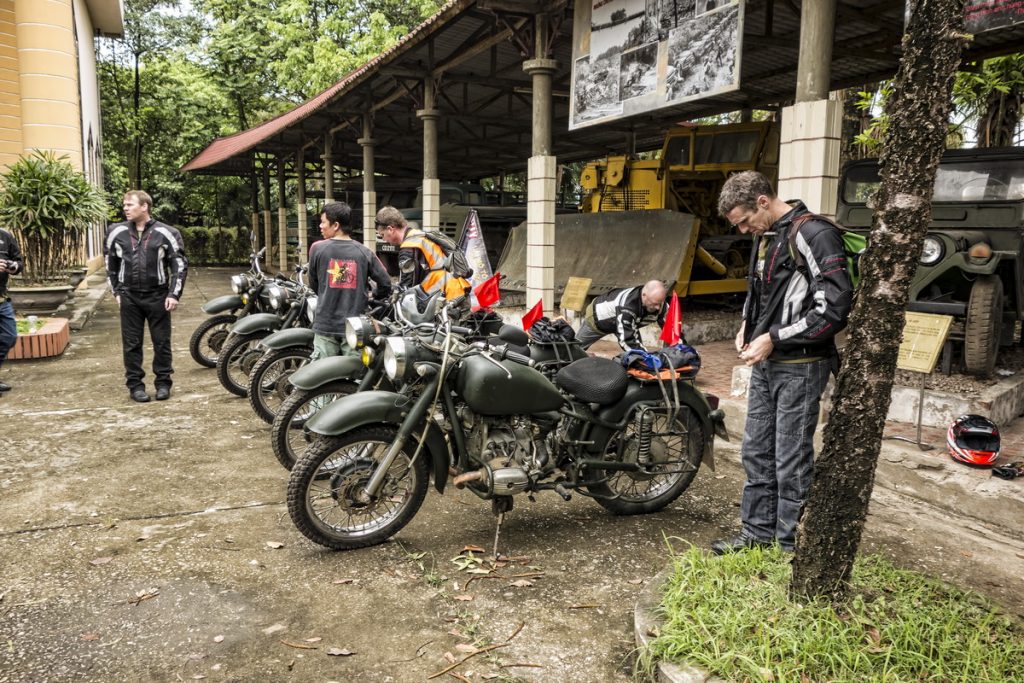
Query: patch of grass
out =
(732, 615)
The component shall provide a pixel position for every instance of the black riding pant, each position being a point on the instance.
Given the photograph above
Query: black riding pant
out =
(137, 309)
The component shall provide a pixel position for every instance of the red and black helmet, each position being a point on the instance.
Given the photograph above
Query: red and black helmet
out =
(974, 440)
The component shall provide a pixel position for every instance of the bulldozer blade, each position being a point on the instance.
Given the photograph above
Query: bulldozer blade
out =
(613, 249)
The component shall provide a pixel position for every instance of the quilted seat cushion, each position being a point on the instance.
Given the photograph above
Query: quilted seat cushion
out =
(594, 380)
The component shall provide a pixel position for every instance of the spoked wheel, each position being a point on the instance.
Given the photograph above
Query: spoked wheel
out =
(236, 359)
(288, 432)
(270, 374)
(209, 337)
(670, 463)
(326, 497)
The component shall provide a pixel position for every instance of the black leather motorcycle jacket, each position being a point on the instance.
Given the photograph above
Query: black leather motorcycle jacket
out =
(9, 251)
(148, 262)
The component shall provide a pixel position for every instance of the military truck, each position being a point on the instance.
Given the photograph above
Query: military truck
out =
(971, 263)
(657, 218)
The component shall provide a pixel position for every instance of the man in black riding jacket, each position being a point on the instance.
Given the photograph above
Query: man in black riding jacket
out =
(623, 312)
(798, 298)
(11, 262)
(146, 267)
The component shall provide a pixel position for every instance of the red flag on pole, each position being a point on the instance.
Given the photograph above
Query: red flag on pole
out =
(487, 292)
(533, 315)
(673, 322)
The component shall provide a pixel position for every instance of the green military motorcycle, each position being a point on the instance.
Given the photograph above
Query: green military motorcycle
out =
(501, 428)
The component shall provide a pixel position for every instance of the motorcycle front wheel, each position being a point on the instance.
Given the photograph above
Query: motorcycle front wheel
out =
(669, 462)
(268, 379)
(288, 433)
(326, 500)
(209, 337)
(236, 359)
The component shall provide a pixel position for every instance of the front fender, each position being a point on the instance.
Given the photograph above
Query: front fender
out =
(228, 302)
(324, 370)
(293, 336)
(381, 407)
(257, 322)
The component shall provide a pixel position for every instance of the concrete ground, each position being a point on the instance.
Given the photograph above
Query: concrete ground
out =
(151, 543)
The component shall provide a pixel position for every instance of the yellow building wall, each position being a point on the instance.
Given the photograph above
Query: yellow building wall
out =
(47, 60)
(10, 87)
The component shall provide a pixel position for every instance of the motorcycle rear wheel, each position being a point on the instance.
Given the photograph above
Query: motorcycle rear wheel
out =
(268, 380)
(287, 433)
(674, 461)
(324, 486)
(206, 342)
(236, 359)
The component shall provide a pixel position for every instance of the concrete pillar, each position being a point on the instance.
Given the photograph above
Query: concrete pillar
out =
(542, 187)
(255, 187)
(812, 128)
(300, 202)
(268, 241)
(369, 188)
(814, 68)
(809, 154)
(431, 183)
(282, 219)
(328, 158)
(46, 71)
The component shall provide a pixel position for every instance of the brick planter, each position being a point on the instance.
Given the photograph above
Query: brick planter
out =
(49, 340)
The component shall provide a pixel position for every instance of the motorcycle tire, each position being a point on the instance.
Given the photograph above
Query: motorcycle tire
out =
(287, 433)
(209, 337)
(652, 489)
(236, 359)
(268, 380)
(325, 481)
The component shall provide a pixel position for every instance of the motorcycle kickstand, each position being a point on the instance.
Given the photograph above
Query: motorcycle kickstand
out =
(499, 506)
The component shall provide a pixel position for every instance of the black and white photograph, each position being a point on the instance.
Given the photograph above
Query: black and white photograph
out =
(639, 75)
(617, 26)
(702, 55)
(705, 6)
(596, 89)
(672, 13)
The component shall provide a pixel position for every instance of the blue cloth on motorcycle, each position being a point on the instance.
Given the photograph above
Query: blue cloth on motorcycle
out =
(676, 356)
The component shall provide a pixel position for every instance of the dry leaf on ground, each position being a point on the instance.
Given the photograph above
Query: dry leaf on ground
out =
(276, 545)
(101, 560)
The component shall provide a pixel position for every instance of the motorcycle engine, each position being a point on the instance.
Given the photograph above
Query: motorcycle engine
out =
(507, 447)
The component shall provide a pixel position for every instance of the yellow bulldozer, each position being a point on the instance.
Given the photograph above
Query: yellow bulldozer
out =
(656, 218)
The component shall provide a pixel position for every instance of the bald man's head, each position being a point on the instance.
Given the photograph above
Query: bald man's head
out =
(653, 296)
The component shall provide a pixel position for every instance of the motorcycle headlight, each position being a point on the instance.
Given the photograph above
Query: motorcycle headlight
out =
(367, 356)
(932, 251)
(357, 331)
(276, 296)
(395, 357)
(311, 302)
(239, 284)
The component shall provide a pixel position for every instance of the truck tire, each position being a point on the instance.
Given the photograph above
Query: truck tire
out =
(983, 326)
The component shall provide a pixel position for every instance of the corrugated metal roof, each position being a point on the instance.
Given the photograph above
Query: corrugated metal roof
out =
(485, 100)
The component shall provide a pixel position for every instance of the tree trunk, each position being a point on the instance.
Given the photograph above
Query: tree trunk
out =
(998, 125)
(135, 167)
(833, 520)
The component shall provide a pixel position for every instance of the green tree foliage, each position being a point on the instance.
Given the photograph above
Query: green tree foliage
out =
(188, 72)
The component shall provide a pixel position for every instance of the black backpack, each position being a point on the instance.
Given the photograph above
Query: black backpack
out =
(457, 264)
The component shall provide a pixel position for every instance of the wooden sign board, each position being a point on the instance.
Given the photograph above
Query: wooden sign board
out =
(574, 296)
(924, 335)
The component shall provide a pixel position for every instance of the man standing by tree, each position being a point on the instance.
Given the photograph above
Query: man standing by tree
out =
(146, 267)
(339, 272)
(798, 298)
(10, 262)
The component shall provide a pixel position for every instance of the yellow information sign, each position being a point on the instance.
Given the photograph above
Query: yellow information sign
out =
(924, 334)
(574, 296)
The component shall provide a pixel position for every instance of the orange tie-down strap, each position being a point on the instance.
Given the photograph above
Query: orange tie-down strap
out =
(663, 374)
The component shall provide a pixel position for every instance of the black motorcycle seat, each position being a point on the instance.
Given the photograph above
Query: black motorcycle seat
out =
(594, 380)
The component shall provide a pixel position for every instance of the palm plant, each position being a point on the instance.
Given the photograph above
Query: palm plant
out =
(49, 206)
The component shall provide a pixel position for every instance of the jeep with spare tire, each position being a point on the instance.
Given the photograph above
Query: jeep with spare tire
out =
(972, 263)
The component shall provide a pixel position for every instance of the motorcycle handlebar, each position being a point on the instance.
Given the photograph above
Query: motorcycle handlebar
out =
(515, 357)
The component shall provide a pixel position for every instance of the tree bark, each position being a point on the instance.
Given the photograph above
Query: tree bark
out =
(833, 520)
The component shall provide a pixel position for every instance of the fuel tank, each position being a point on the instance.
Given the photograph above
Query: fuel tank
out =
(489, 390)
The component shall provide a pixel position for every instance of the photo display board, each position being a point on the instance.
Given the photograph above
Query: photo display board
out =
(988, 15)
(635, 56)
